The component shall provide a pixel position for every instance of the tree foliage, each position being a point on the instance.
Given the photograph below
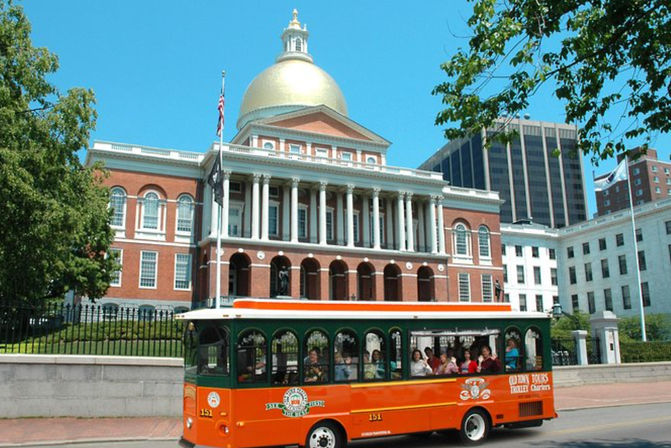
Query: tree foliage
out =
(601, 55)
(657, 327)
(54, 220)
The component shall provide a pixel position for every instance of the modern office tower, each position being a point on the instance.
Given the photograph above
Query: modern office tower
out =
(538, 174)
(650, 179)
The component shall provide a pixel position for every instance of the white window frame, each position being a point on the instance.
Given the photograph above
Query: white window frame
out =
(486, 281)
(467, 277)
(356, 225)
(303, 208)
(488, 255)
(188, 272)
(123, 210)
(120, 271)
(330, 234)
(274, 231)
(159, 217)
(239, 206)
(142, 253)
(191, 219)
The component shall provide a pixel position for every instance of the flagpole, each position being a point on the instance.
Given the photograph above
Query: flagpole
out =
(638, 268)
(217, 300)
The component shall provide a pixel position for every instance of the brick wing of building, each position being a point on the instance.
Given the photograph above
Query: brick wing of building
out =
(308, 194)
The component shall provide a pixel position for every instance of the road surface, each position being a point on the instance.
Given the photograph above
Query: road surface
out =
(637, 426)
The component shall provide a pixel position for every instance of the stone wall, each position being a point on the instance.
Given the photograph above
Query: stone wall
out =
(89, 386)
(105, 386)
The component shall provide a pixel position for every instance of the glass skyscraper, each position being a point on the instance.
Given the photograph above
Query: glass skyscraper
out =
(533, 182)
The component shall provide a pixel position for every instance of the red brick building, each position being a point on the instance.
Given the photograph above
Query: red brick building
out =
(650, 181)
(307, 191)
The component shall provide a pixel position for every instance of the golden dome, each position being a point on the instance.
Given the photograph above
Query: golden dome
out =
(291, 83)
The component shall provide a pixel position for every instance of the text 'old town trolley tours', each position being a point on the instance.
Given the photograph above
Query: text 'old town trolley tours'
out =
(320, 374)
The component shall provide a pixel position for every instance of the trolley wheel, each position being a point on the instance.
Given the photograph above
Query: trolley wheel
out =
(325, 435)
(474, 427)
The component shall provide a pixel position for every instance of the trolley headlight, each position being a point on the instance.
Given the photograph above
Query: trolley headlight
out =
(189, 422)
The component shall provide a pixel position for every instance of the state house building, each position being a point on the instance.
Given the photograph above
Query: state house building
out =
(306, 191)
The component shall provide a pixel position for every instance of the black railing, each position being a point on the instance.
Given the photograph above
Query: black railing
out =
(90, 330)
(564, 352)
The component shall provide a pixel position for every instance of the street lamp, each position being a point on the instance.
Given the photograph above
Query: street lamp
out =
(558, 312)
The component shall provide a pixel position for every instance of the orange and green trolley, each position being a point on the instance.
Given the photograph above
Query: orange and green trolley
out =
(321, 374)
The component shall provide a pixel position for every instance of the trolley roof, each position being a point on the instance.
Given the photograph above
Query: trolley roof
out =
(302, 309)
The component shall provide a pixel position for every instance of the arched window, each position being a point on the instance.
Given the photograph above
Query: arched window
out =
(118, 204)
(184, 213)
(251, 359)
(483, 242)
(374, 356)
(396, 354)
(513, 355)
(346, 355)
(150, 211)
(284, 349)
(533, 345)
(316, 357)
(213, 350)
(461, 239)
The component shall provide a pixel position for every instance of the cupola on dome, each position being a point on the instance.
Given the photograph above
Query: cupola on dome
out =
(293, 82)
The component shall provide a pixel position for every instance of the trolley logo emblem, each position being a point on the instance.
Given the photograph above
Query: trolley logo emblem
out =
(295, 403)
(474, 389)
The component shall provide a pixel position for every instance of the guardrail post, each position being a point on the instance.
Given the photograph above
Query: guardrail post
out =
(580, 337)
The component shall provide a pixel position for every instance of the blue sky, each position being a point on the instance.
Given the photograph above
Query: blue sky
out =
(155, 66)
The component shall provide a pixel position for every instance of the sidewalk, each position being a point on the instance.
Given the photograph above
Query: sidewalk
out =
(55, 431)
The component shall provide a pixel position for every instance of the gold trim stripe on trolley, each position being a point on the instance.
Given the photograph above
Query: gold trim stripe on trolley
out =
(402, 383)
(400, 408)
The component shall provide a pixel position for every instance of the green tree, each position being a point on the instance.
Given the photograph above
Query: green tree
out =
(54, 220)
(657, 327)
(601, 55)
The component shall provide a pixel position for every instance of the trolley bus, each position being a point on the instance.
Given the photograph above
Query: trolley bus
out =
(321, 374)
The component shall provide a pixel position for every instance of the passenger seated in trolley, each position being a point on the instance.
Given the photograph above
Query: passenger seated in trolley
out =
(448, 364)
(313, 370)
(418, 366)
(374, 370)
(488, 362)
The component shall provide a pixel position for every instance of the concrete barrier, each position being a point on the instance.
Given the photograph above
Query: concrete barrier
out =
(106, 386)
(89, 386)
(568, 376)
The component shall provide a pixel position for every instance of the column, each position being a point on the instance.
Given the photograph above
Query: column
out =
(322, 215)
(432, 225)
(410, 233)
(365, 213)
(441, 226)
(294, 209)
(313, 215)
(286, 202)
(350, 215)
(376, 218)
(264, 207)
(247, 214)
(389, 216)
(224, 211)
(255, 207)
(340, 223)
(421, 235)
(400, 224)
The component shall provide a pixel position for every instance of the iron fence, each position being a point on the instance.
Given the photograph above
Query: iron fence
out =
(90, 330)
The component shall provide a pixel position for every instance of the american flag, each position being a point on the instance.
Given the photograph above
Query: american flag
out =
(220, 108)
